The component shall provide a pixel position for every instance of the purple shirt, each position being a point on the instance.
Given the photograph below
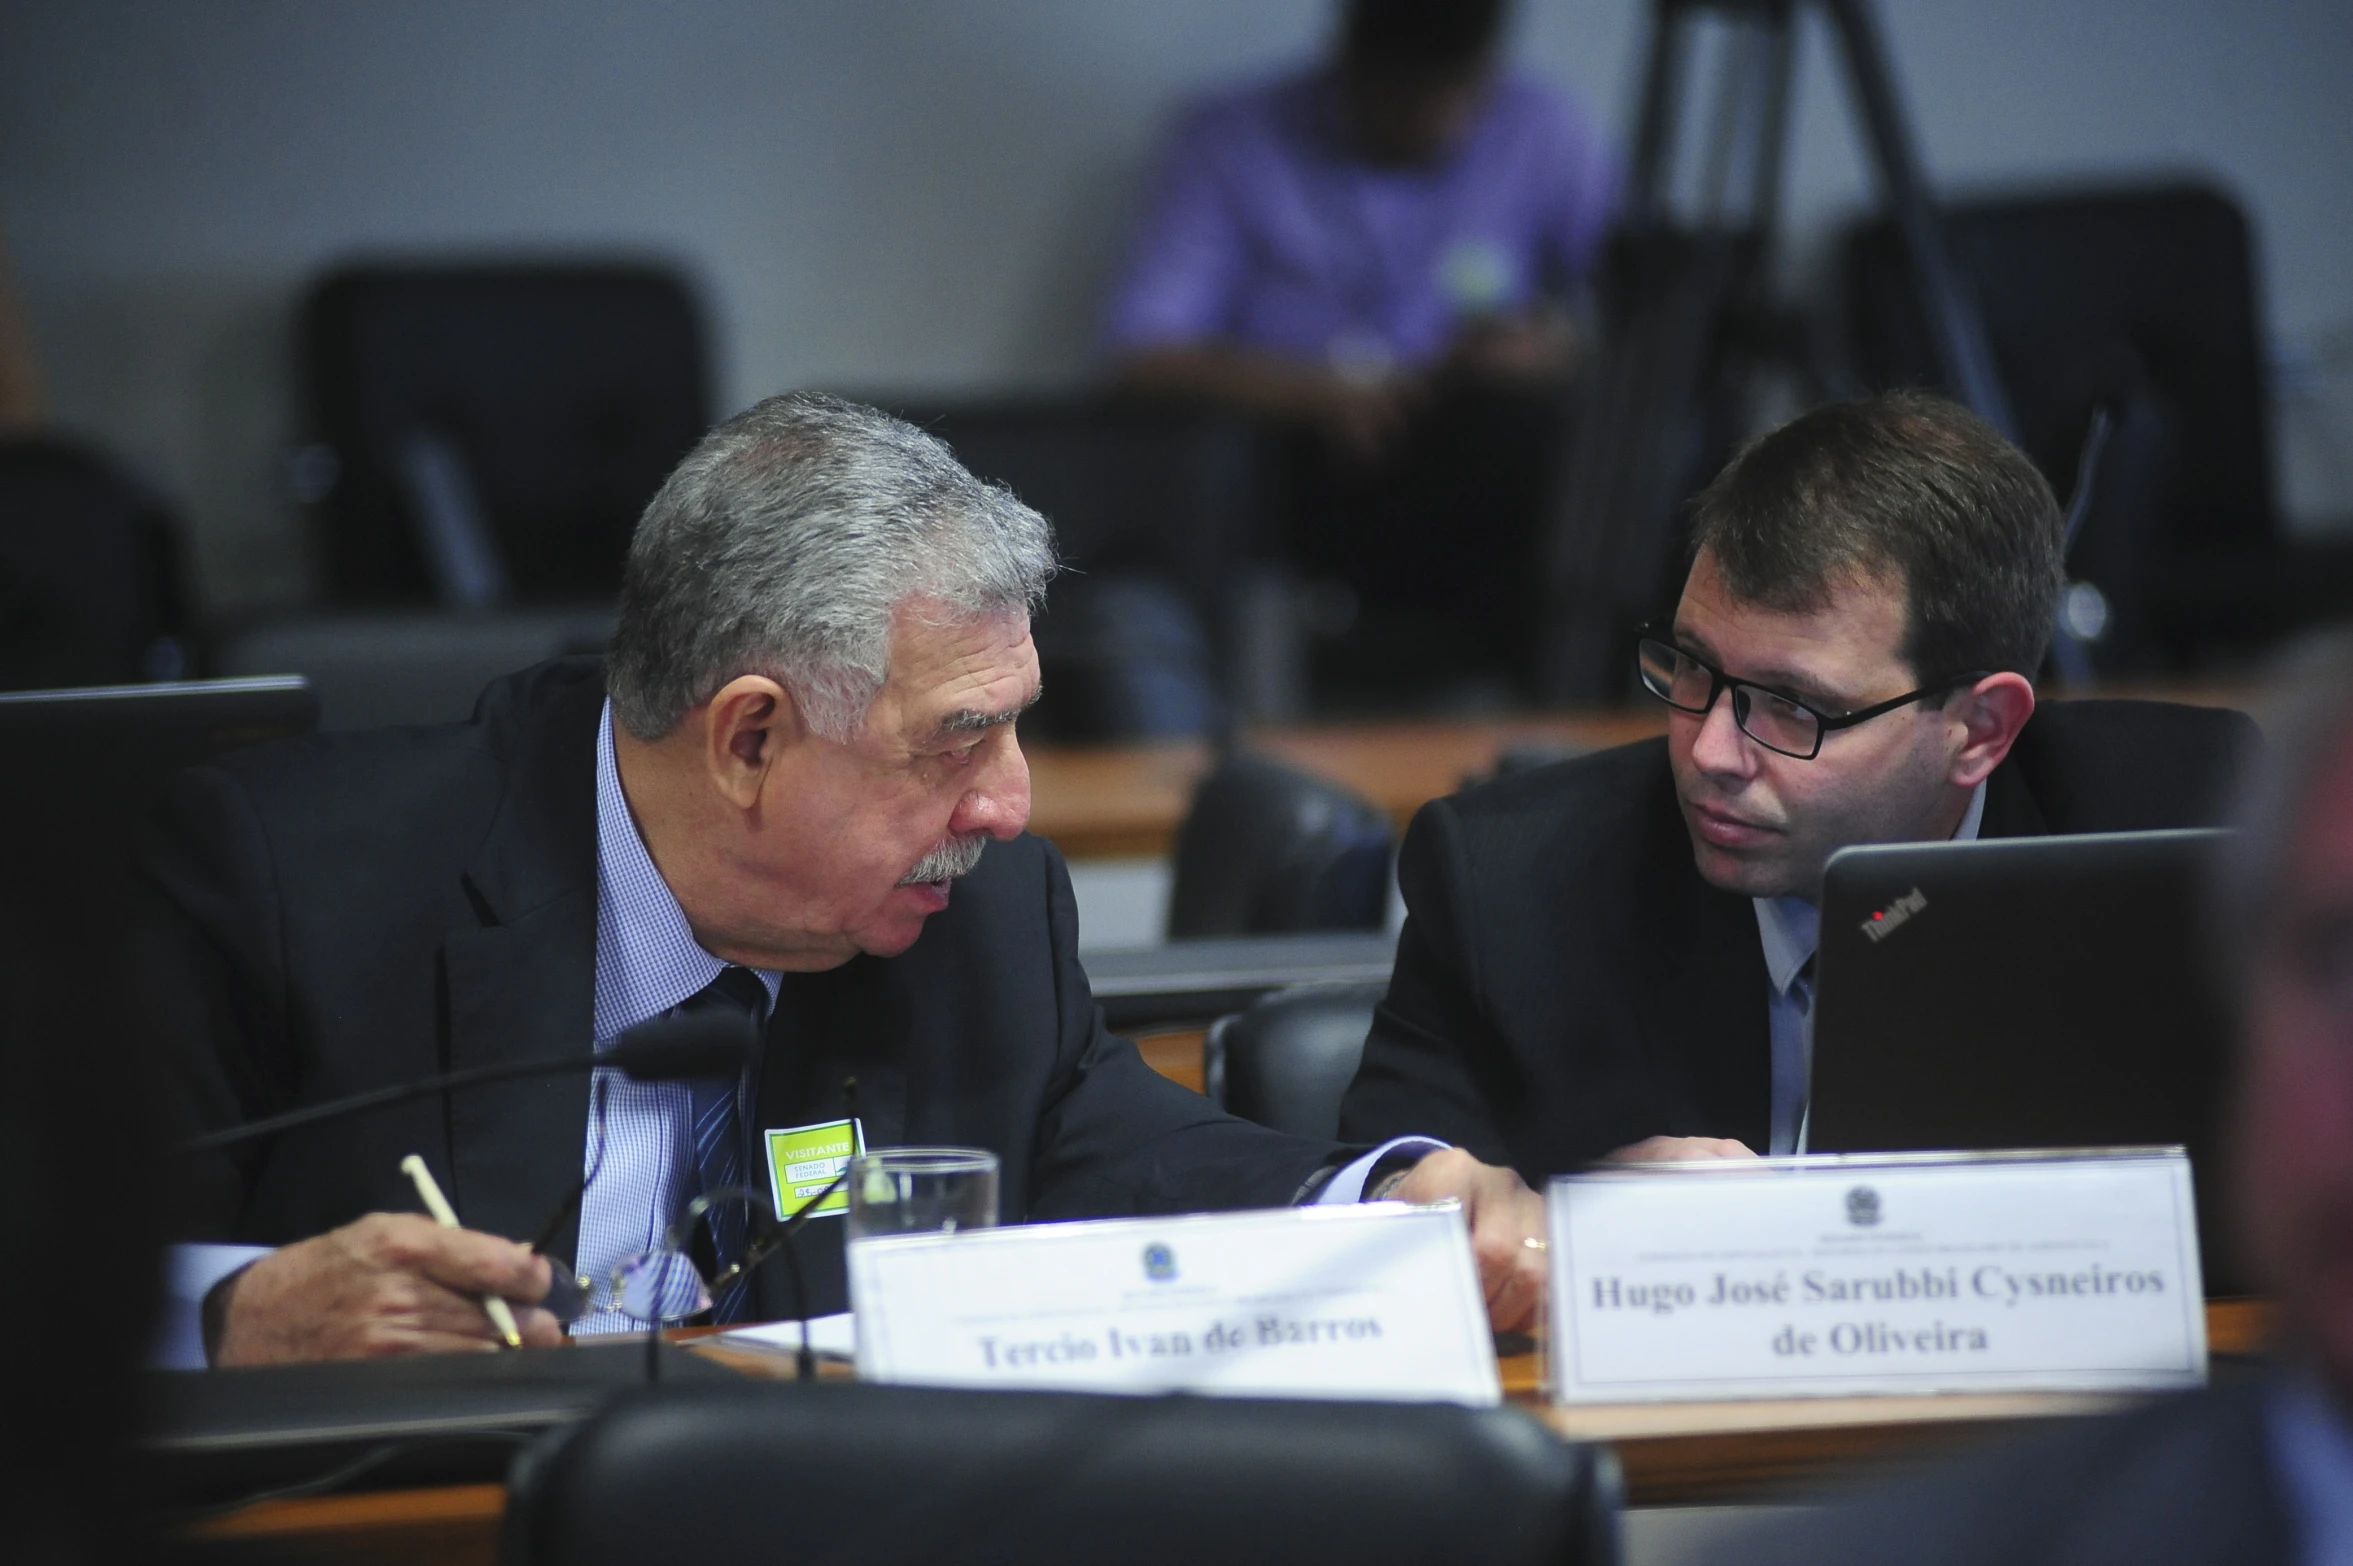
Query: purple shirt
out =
(1268, 232)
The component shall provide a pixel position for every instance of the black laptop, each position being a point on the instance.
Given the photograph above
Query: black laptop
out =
(2023, 992)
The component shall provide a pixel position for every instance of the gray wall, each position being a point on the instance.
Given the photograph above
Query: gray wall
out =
(924, 194)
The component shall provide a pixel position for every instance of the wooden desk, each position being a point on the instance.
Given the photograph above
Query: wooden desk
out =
(1696, 1453)
(1673, 1454)
(1123, 802)
(1176, 1056)
(1120, 802)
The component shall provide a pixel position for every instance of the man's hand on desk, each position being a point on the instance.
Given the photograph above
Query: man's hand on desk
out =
(1504, 1217)
(1675, 1149)
(391, 1283)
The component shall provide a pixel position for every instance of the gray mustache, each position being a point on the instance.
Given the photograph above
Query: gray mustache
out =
(958, 856)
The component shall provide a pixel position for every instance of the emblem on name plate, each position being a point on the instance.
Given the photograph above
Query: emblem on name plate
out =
(1862, 1207)
(1159, 1262)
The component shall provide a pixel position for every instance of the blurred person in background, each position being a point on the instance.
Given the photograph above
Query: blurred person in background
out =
(2258, 1467)
(1381, 250)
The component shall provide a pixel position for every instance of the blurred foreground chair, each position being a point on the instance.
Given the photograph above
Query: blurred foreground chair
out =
(90, 585)
(488, 434)
(1286, 1060)
(839, 1473)
(1267, 849)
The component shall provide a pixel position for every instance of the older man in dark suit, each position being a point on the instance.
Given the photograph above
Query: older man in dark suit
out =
(1612, 957)
(794, 791)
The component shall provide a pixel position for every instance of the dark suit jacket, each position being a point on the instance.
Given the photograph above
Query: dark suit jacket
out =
(1566, 983)
(354, 910)
(2186, 1482)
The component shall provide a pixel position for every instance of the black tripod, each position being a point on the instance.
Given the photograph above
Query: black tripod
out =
(1690, 323)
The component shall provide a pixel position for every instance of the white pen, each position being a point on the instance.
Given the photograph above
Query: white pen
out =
(438, 1205)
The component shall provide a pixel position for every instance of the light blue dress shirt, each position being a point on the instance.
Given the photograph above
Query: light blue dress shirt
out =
(1790, 929)
(647, 961)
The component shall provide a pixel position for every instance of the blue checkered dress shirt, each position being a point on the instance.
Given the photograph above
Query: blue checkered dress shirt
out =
(646, 963)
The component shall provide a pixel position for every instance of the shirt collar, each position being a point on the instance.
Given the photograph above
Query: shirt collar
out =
(1973, 817)
(1791, 927)
(647, 959)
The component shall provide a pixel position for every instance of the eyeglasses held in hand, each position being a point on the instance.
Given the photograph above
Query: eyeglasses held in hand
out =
(664, 1286)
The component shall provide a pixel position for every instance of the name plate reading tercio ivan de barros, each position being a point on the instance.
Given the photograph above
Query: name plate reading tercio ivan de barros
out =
(1374, 1300)
(1834, 1275)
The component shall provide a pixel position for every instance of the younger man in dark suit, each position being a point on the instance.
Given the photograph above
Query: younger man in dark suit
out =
(1612, 957)
(2259, 1467)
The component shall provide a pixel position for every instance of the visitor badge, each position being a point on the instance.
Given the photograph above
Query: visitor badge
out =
(804, 1160)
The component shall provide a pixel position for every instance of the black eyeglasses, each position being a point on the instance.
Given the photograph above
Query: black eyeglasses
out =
(1779, 723)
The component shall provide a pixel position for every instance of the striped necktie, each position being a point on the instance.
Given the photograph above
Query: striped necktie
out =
(718, 1148)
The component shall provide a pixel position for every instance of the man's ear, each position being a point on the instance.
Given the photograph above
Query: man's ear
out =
(1992, 712)
(751, 722)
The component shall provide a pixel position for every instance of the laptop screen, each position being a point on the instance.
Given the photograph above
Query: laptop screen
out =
(2023, 992)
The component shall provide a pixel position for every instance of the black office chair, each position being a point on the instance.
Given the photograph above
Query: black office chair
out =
(488, 434)
(2141, 302)
(1155, 508)
(835, 1474)
(1123, 658)
(1286, 1061)
(1268, 849)
(90, 581)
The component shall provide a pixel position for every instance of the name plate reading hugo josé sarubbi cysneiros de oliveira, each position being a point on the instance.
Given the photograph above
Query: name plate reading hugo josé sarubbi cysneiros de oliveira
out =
(1834, 1275)
(1377, 1300)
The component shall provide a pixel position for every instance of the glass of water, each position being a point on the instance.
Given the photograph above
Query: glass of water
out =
(922, 1190)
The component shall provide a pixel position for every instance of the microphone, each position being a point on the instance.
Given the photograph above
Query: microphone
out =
(711, 1043)
(780, 1238)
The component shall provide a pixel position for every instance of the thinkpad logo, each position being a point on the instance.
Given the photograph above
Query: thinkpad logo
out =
(1886, 921)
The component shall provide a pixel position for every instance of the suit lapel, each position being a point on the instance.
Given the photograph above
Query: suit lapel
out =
(1703, 998)
(820, 1066)
(521, 986)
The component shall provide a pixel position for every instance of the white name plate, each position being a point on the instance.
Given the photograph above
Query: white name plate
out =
(1836, 1275)
(1375, 1301)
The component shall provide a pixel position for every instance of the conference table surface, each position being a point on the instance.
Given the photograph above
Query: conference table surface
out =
(1125, 801)
(1671, 1454)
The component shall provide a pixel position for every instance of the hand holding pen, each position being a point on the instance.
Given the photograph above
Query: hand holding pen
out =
(501, 1315)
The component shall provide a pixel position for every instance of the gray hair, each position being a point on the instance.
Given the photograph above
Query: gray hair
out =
(783, 545)
(2305, 721)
